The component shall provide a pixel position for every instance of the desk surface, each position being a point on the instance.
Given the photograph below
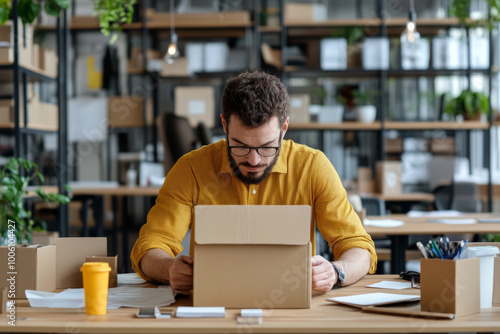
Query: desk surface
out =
(321, 318)
(420, 225)
(117, 191)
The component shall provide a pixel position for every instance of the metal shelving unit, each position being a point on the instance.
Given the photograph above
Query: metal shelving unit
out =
(21, 75)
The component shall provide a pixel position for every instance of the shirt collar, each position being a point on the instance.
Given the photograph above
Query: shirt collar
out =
(280, 167)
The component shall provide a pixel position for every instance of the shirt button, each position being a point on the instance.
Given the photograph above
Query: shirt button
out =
(254, 191)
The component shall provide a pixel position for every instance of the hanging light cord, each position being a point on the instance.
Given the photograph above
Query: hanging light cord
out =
(172, 17)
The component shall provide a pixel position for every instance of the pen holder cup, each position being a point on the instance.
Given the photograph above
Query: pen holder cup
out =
(449, 286)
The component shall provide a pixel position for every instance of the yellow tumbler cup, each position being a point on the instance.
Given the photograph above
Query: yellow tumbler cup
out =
(95, 284)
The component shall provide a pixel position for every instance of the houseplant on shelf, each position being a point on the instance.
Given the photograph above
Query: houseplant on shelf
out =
(362, 102)
(28, 10)
(460, 8)
(13, 187)
(468, 105)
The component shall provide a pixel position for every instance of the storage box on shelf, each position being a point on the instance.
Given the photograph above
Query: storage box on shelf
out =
(41, 116)
(128, 112)
(25, 43)
(301, 13)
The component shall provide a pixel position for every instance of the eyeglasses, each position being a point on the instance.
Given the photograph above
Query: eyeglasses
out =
(264, 151)
(412, 276)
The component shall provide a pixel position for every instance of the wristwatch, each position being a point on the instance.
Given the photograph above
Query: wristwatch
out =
(340, 275)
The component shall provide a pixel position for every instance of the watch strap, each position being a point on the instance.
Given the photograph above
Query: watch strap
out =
(340, 276)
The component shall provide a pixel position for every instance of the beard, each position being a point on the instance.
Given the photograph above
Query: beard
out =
(251, 177)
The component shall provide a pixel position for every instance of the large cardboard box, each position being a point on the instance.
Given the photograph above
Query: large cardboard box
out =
(44, 238)
(71, 254)
(113, 264)
(252, 256)
(449, 286)
(299, 108)
(197, 104)
(34, 268)
(389, 177)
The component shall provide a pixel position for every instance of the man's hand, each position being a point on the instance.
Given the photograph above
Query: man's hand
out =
(323, 274)
(181, 274)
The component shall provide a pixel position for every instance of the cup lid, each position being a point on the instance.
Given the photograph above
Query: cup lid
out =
(95, 266)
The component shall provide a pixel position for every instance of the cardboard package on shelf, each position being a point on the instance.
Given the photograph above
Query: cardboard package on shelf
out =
(25, 43)
(128, 112)
(303, 13)
(48, 61)
(197, 103)
(389, 177)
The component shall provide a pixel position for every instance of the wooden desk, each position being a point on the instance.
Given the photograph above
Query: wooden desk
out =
(413, 226)
(323, 317)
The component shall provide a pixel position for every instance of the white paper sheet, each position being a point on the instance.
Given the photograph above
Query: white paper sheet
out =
(117, 297)
(130, 278)
(383, 222)
(390, 285)
(378, 298)
(441, 213)
(452, 221)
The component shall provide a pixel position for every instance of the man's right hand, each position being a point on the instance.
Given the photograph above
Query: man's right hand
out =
(181, 274)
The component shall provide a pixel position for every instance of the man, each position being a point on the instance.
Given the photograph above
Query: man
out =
(253, 166)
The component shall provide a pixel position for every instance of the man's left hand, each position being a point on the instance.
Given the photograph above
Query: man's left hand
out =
(323, 274)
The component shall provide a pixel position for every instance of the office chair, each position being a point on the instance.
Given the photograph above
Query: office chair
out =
(461, 196)
(177, 136)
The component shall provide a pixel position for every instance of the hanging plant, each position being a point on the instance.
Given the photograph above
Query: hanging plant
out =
(460, 8)
(112, 15)
(28, 10)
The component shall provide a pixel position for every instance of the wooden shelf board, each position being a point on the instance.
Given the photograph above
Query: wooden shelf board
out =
(10, 126)
(448, 21)
(198, 25)
(467, 125)
(336, 126)
(269, 29)
(89, 26)
(334, 23)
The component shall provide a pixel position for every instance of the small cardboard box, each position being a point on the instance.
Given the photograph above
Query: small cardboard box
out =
(48, 61)
(125, 111)
(34, 268)
(304, 12)
(299, 108)
(442, 145)
(71, 254)
(25, 43)
(197, 104)
(259, 256)
(449, 286)
(113, 263)
(179, 68)
(389, 177)
(366, 185)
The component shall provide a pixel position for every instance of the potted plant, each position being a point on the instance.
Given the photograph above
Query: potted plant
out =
(460, 8)
(362, 102)
(469, 105)
(13, 188)
(28, 10)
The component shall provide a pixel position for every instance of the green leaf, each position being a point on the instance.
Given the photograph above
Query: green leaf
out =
(4, 13)
(41, 177)
(28, 10)
(52, 8)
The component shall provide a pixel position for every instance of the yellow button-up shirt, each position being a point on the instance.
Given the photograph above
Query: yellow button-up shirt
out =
(301, 176)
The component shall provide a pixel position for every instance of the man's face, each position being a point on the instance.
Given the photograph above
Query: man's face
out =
(253, 168)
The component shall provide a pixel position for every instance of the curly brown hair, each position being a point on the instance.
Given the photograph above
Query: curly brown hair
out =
(255, 97)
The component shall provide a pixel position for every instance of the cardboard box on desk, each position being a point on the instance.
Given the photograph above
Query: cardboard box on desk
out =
(389, 177)
(449, 286)
(197, 104)
(252, 256)
(71, 254)
(35, 268)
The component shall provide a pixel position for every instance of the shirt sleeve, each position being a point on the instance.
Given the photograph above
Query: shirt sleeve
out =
(171, 216)
(335, 217)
